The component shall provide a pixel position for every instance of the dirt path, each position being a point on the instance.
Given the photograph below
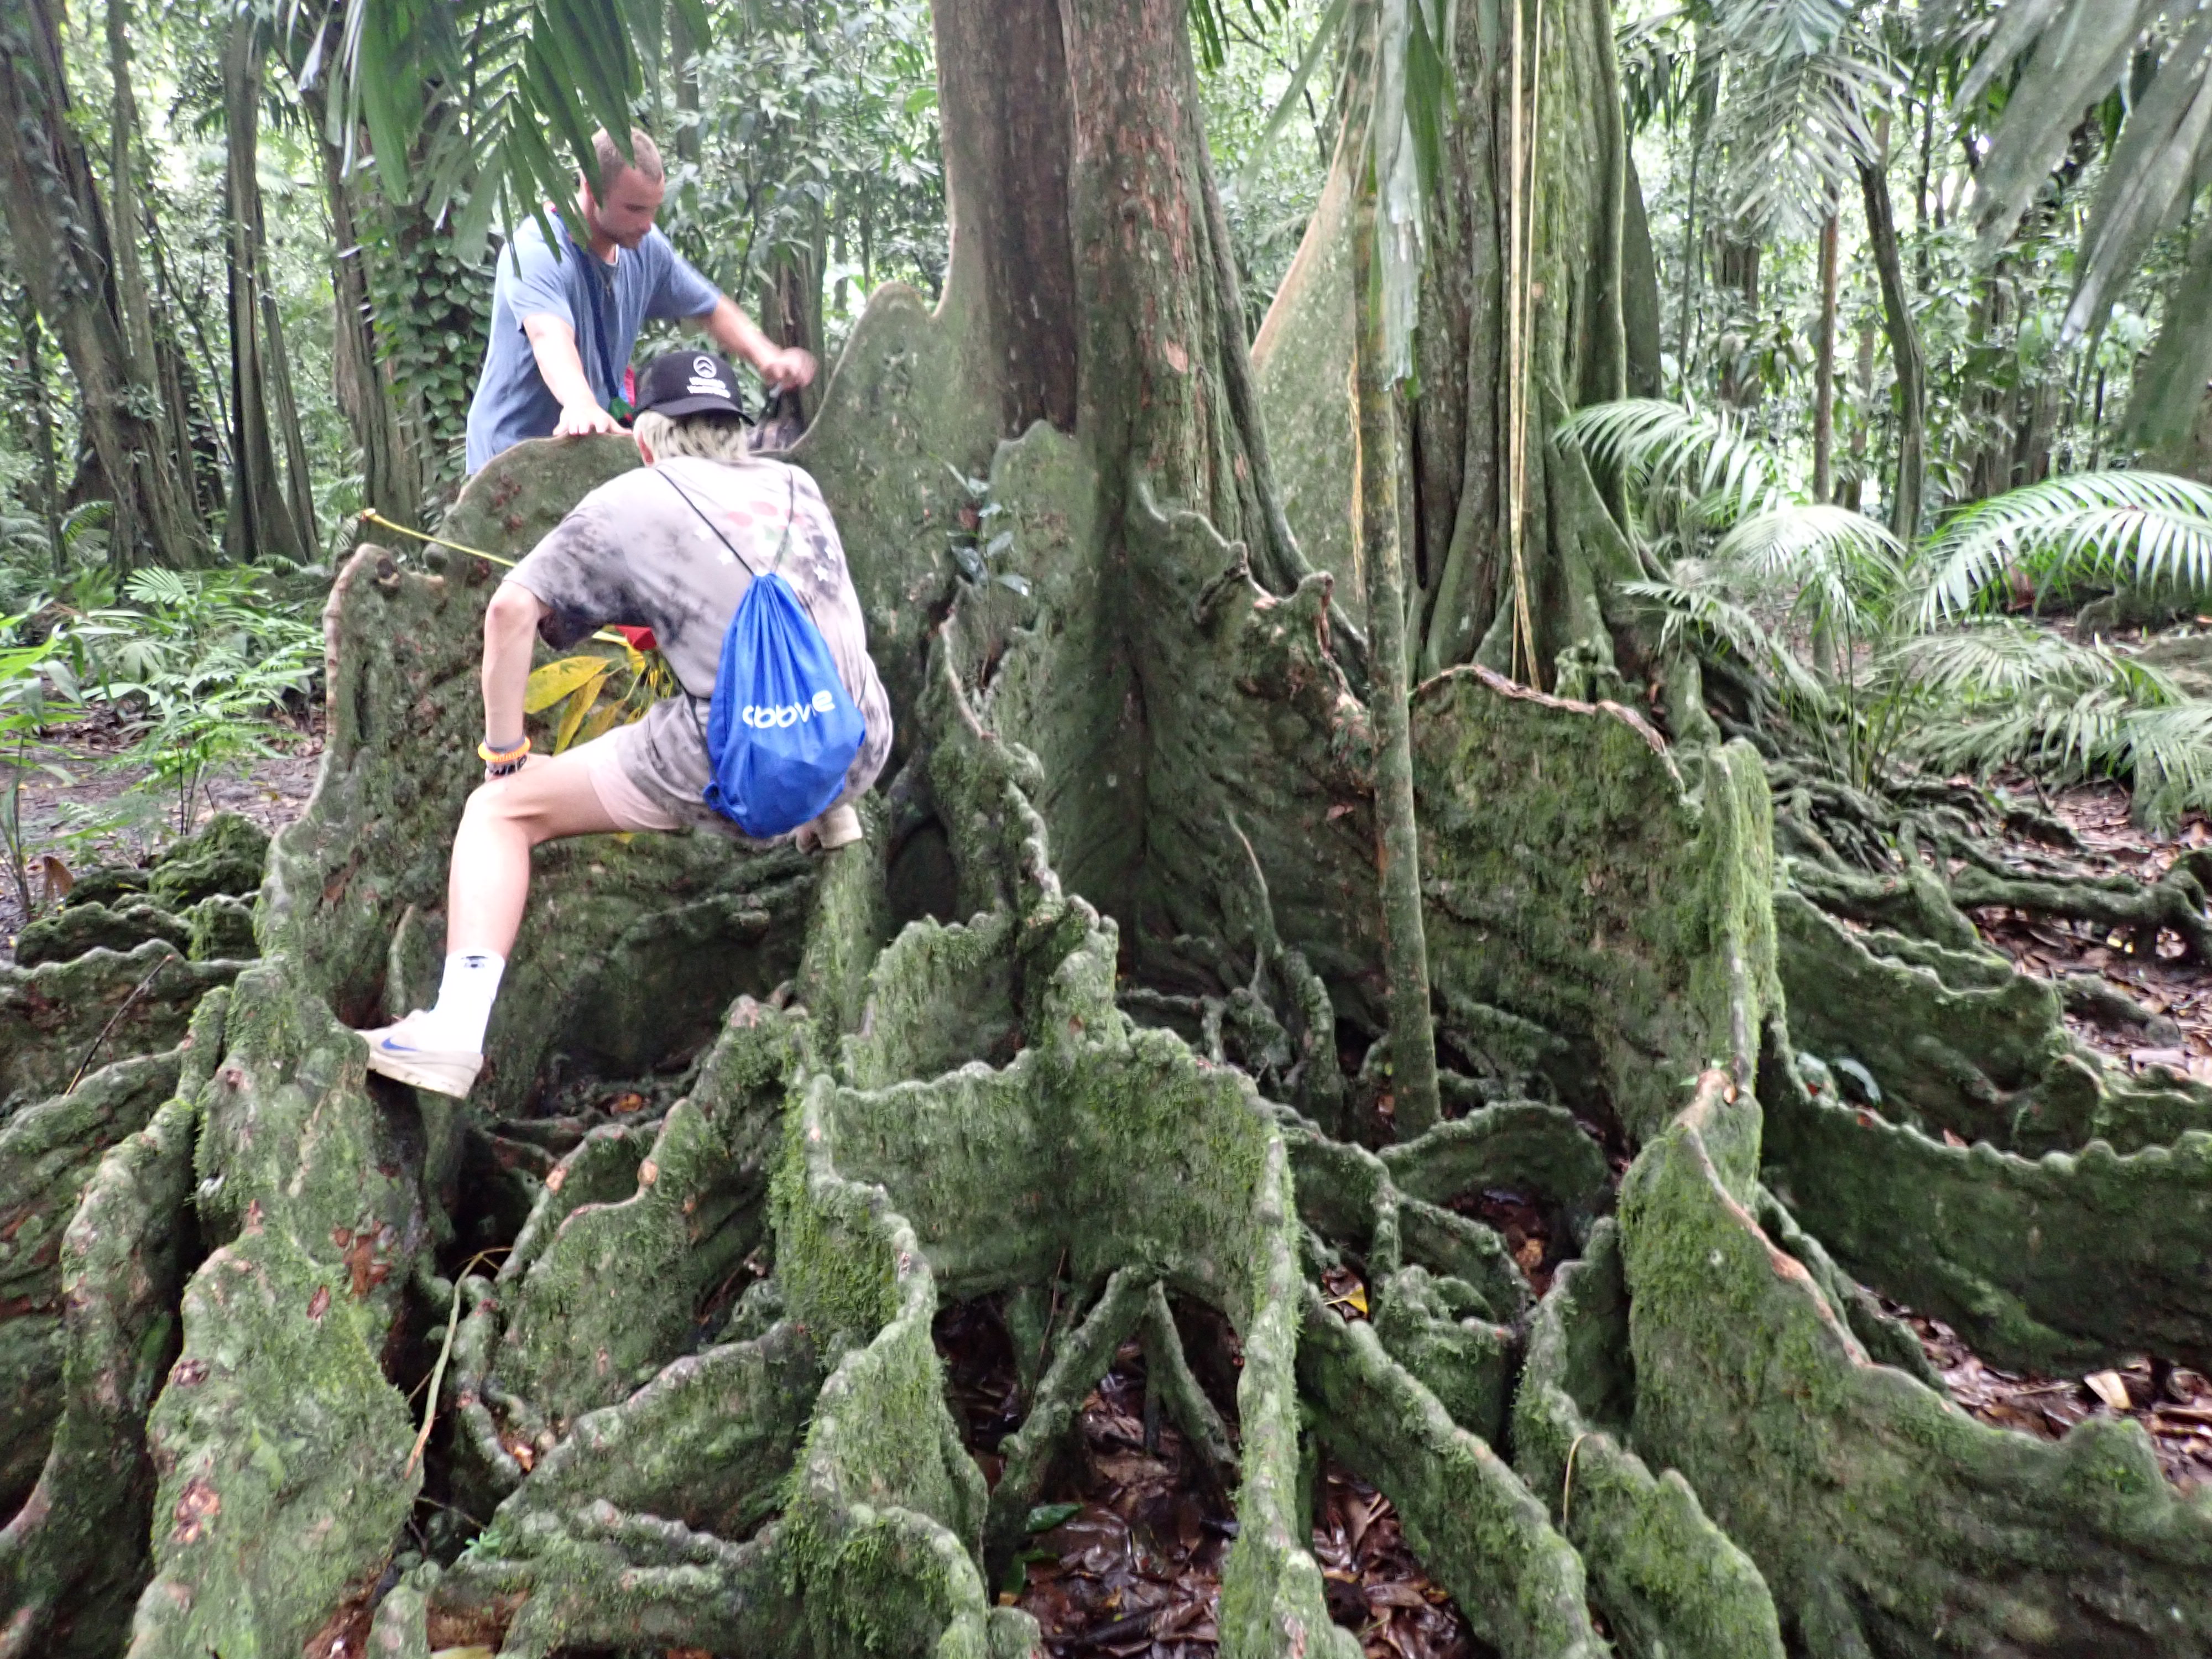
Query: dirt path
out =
(271, 791)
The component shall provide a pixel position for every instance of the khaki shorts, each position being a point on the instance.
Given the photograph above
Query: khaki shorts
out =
(626, 806)
(629, 807)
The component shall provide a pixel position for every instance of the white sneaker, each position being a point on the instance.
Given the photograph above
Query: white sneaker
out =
(838, 827)
(413, 1052)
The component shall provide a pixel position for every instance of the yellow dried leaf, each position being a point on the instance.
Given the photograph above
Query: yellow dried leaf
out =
(579, 705)
(2108, 1387)
(556, 680)
(604, 720)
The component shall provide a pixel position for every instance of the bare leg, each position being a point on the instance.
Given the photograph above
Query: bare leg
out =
(489, 879)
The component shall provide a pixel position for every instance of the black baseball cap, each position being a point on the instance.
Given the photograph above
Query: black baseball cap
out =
(678, 383)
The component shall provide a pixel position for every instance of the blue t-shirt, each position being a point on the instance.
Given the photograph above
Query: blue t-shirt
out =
(605, 305)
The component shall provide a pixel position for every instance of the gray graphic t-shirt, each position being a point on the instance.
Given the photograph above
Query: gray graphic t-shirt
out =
(635, 552)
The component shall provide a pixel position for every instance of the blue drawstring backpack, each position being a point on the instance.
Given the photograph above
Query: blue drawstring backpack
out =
(782, 729)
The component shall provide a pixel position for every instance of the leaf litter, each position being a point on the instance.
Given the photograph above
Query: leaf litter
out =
(2173, 1404)
(1130, 1535)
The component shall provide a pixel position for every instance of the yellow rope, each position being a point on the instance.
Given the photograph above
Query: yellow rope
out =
(370, 515)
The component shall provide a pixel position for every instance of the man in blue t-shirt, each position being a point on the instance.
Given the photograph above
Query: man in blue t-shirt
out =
(565, 317)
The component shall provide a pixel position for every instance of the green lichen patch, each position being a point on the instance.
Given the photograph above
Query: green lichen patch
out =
(1882, 1518)
(1478, 1531)
(909, 410)
(73, 1558)
(225, 855)
(1574, 881)
(595, 1307)
(2069, 1261)
(1668, 1582)
(64, 1020)
(1101, 1148)
(283, 1455)
(1966, 1058)
(76, 928)
(1534, 1148)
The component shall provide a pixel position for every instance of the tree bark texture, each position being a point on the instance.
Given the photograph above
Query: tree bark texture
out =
(1905, 505)
(261, 521)
(392, 476)
(1823, 370)
(1066, 1033)
(1460, 459)
(58, 227)
(1398, 843)
(171, 416)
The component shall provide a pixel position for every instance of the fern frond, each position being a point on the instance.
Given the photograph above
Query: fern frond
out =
(2136, 526)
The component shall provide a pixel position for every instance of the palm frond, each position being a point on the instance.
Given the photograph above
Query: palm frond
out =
(1695, 607)
(1653, 444)
(2006, 659)
(1799, 541)
(2138, 527)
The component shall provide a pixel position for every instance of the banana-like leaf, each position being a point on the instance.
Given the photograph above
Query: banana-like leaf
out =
(580, 705)
(2152, 174)
(2075, 53)
(556, 680)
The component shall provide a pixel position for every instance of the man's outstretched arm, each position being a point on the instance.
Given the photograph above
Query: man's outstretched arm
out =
(780, 366)
(553, 343)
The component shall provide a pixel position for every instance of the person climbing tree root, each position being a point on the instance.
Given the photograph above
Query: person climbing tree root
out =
(664, 547)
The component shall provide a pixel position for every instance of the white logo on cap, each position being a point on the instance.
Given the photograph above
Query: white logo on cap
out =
(704, 366)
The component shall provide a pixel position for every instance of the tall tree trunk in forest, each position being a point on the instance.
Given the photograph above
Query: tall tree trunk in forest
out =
(40, 411)
(1398, 845)
(1903, 345)
(126, 220)
(392, 474)
(1462, 459)
(58, 227)
(1824, 368)
(684, 61)
(1855, 491)
(261, 520)
(284, 409)
(1639, 292)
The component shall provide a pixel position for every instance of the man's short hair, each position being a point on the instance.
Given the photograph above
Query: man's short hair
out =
(645, 156)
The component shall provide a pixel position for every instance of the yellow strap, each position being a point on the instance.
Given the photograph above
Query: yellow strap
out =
(370, 515)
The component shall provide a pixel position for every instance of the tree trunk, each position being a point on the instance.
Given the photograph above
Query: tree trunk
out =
(1824, 371)
(1464, 444)
(126, 222)
(392, 479)
(261, 520)
(1904, 350)
(58, 228)
(1398, 844)
(39, 414)
(683, 58)
(1639, 292)
(298, 486)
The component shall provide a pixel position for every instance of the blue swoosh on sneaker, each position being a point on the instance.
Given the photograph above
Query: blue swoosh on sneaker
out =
(391, 1047)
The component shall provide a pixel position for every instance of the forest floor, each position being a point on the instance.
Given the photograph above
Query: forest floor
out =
(98, 813)
(2168, 985)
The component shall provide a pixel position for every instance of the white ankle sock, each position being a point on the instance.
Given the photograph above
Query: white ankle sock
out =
(464, 998)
